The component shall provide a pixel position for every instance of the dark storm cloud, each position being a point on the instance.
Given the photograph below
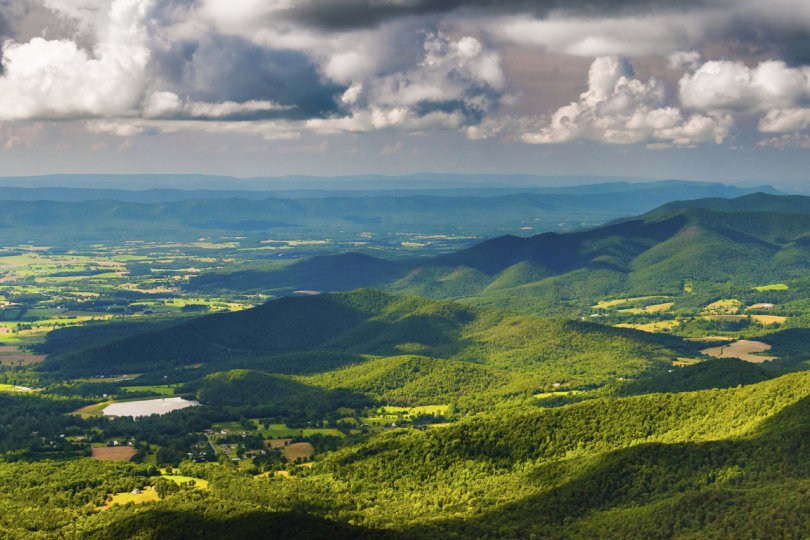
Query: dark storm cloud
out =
(351, 14)
(225, 68)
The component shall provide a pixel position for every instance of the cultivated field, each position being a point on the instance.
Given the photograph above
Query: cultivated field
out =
(115, 453)
(298, 450)
(743, 350)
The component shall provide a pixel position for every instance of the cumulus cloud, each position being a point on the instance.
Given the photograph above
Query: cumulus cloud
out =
(56, 79)
(618, 108)
(277, 68)
(734, 86)
(772, 87)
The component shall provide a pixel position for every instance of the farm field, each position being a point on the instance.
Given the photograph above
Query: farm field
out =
(115, 453)
(297, 451)
(743, 350)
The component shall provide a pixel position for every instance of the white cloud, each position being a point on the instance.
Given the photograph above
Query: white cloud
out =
(620, 109)
(57, 79)
(169, 105)
(733, 86)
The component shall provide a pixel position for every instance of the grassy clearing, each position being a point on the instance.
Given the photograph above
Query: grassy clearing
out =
(91, 410)
(683, 362)
(658, 326)
(178, 479)
(543, 395)
(610, 303)
(4, 387)
(649, 309)
(777, 287)
(121, 499)
(298, 450)
(165, 389)
(723, 307)
(230, 427)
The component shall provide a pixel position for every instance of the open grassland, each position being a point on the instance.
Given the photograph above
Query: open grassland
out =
(5, 387)
(114, 453)
(743, 350)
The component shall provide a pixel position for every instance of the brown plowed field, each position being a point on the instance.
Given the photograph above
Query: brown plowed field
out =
(115, 453)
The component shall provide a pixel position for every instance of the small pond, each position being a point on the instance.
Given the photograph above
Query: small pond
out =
(148, 406)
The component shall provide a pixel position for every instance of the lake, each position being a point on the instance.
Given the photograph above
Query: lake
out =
(148, 406)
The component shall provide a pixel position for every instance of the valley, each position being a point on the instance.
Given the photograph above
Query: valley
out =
(637, 376)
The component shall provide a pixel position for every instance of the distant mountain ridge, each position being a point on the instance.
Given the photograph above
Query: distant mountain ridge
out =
(95, 215)
(657, 252)
(171, 186)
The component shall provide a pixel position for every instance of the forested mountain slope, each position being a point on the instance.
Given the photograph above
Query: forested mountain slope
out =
(342, 329)
(652, 254)
(727, 463)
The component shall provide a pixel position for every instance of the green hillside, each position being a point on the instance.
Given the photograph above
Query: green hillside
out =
(481, 349)
(728, 463)
(653, 254)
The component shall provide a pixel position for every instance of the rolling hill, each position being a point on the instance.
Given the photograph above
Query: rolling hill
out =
(653, 254)
(404, 349)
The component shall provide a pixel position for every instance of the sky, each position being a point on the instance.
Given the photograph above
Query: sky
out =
(699, 89)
